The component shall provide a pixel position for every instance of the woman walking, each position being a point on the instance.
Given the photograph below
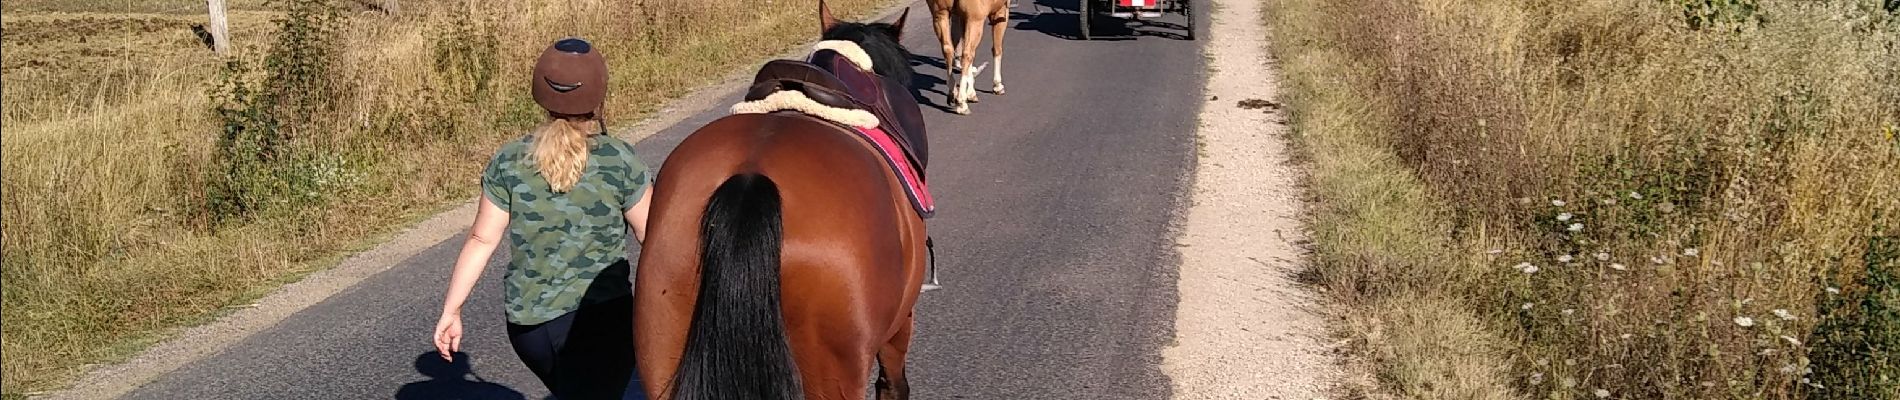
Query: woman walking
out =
(565, 197)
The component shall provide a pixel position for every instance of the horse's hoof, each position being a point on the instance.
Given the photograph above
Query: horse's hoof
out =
(999, 89)
(963, 110)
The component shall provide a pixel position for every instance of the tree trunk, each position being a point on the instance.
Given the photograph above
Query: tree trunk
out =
(220, 32)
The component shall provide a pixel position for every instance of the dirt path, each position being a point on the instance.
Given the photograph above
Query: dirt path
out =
(1245, 328)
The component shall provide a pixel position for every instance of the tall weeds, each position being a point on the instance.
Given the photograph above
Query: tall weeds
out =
(1651, 199)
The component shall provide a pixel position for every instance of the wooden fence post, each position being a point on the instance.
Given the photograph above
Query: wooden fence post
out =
(220, 32)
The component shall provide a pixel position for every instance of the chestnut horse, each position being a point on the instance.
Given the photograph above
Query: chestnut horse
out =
(783, 260)
(957, 55)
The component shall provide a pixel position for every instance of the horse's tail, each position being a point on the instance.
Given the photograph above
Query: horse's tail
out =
(736, 346)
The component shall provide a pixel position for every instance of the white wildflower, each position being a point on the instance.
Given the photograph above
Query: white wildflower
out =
(1530, 269)
(1494, 251)
(1745, 321)
(1570, 362)
(1603, 394)
(1575, 227)
(1790, 369)
(1691, 252)
(1784, 314)
(1565, 258)
(1603, 256)
(1537, 378)
(1619, 267)
(1563, 217)
(1833, 290)
(1568, 312)
(1527, 306)
(1791, 340)
(1658, 260)
(1636, 196)
(1559, 203)
(1570, 383)
(1522, 266)
(1628, 336)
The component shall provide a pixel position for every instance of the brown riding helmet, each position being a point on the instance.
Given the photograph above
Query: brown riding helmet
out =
(570, 78)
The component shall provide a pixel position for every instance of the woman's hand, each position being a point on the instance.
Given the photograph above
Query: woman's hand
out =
(448, 335)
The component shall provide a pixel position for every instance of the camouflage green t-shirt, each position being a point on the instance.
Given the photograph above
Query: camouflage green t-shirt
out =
(562, 242)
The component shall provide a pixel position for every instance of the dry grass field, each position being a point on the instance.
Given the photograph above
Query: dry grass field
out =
(150, 184)
(1605, 199)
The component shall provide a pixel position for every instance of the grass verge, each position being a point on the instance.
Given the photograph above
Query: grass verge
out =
(119, 228)
(1605, 199)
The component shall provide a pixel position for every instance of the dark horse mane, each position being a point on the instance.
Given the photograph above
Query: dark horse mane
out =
(878, 39)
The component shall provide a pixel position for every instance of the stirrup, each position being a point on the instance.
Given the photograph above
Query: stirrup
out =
(931, 246)
(932, 284)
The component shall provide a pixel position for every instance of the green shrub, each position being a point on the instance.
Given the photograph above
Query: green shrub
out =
(1856, 351)
(264, 156)
(1711, 14)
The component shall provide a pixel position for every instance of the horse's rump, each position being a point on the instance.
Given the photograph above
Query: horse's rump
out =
(850, 257)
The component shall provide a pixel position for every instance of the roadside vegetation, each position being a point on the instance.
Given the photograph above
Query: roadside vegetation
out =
(149, 184)
(1604, 199)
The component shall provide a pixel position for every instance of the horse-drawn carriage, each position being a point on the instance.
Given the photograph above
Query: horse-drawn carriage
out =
(1137, 10)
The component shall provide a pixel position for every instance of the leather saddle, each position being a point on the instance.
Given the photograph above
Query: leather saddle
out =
(831, 79)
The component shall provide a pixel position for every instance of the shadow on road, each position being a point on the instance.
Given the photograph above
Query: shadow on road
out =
(927, 81)
(450, 381)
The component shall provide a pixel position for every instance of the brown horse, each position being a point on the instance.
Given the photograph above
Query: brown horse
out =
(782, 259)
(956, 59)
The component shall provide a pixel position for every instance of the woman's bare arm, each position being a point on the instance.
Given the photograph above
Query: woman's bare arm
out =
(637, 216)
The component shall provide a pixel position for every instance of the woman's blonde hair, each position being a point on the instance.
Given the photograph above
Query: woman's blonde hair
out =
(560, 150)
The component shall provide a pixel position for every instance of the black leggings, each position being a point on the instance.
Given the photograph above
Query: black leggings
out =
(584, 355)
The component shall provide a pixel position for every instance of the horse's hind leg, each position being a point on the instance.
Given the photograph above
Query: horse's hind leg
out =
(998, 24)
(966, 53)
(892, 385)
(942, 22)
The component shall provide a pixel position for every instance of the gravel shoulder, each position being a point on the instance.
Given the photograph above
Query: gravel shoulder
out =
(1245, 327)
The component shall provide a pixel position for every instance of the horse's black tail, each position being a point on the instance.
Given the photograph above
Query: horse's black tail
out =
(736, 347)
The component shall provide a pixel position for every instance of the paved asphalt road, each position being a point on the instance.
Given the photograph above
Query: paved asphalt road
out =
(1053, 240)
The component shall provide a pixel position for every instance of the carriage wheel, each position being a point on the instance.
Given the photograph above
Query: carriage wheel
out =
(1187, 7)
